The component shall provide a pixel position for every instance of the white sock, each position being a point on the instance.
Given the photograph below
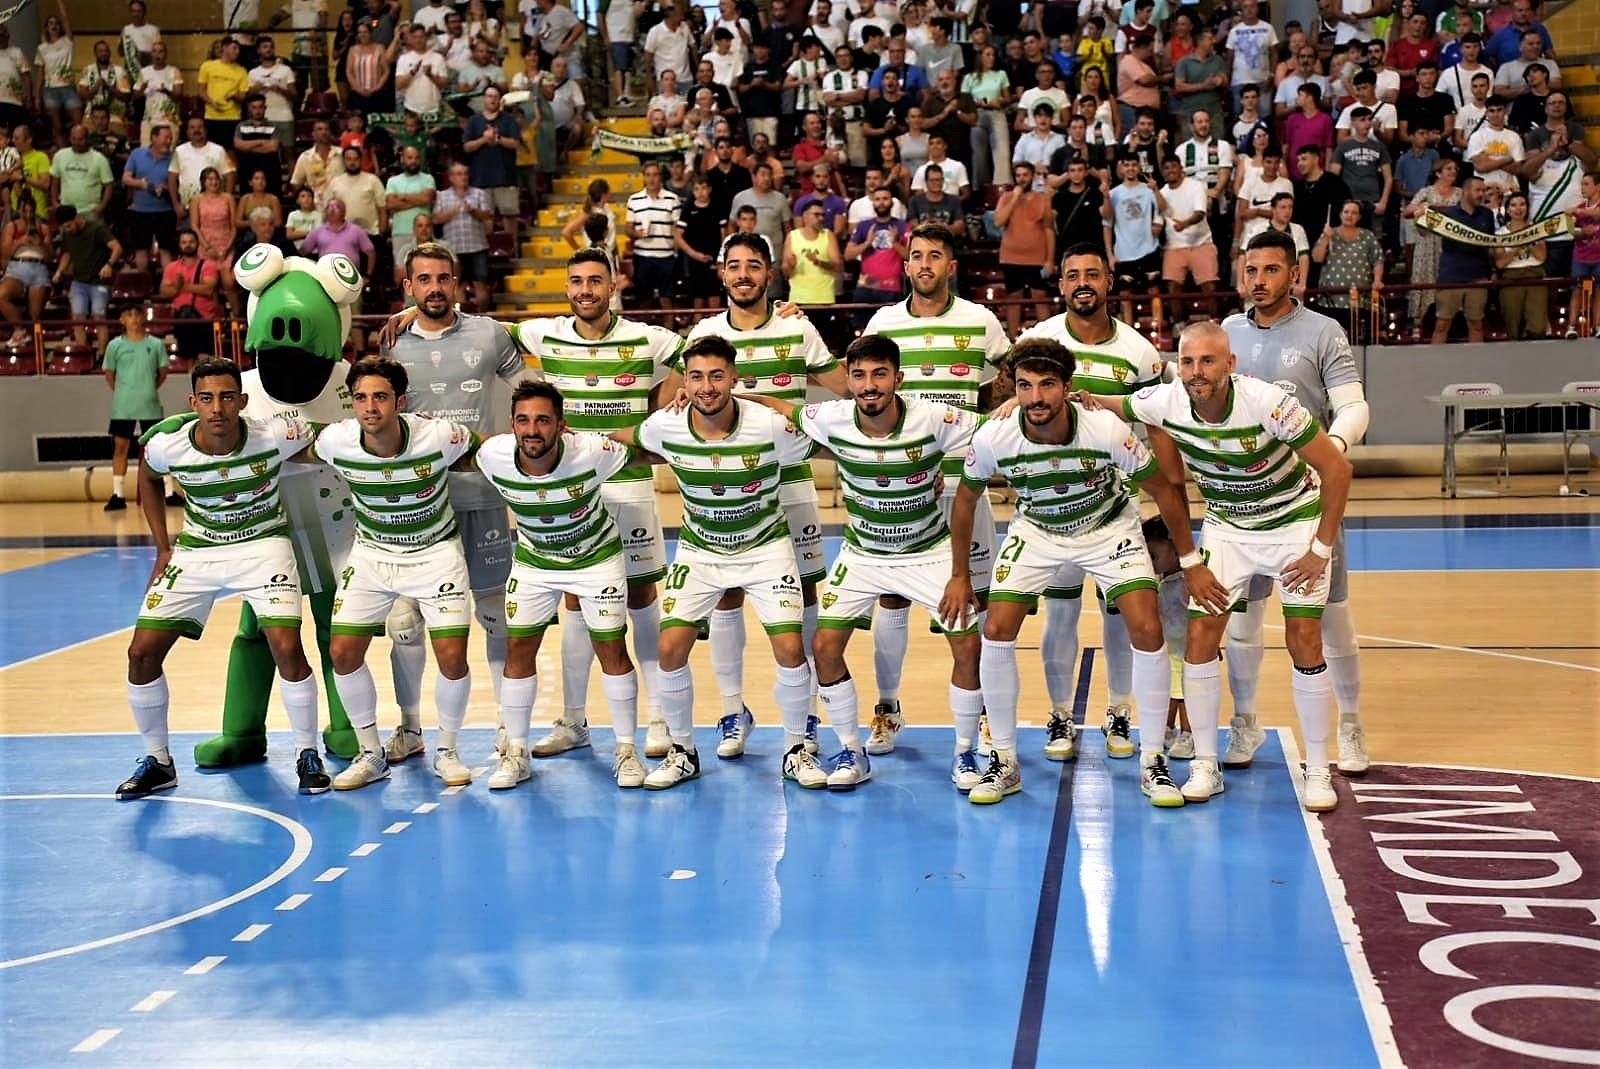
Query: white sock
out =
(622, 695)
(1345, 673)
(1313, 701)
(494, 648)
(359, 695)
(1152, 684)
(407, 662)
(843, 710)
(792, 693)
(1202, 694)
(997, 669)
(1243, 656)
(1118, 652)
(149, 704)
(676, 687)
(645, 625)
(727, 657)
(1058, 648)
(516, 707)
(300, 699)
(1342, 649)
(576, 654)
(450, 696)
(891, 633)
(966, 706)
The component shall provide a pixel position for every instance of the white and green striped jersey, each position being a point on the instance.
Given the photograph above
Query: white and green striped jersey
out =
(729, 485)
(894, 483)
(399, 505)
(227, 499)
(606, 384)
(945, 357)
(562, 524)
(1246, 467)
(1124, 363)
(1067, 488)
(773, 360)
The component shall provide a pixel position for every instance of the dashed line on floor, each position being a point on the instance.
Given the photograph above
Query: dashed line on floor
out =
(96, 1041)
(364, 849)
(397, 827)
(151, 1002)
(251, 933)
(426, 807)
(291, 903)
(329, 875)
(204, 965)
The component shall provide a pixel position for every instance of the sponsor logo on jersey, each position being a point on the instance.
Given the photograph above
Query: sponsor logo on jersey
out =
(913, 452)
(625, 380)
(927, 371)
(718, 490)
(1290, 356)
(927, 339)
(916, 477)
(1126, 548)
(752, 461)
(882, 480)
(575, 491)
(961, 370)
(472, 386)
(1258, 465)
(437, 357)
(782, 379)
(751, 488)
(591, 379)
(749, 382)
(716, 460)
(436, 387)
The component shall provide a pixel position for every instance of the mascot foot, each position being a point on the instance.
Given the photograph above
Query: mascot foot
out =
(226, 751)
(341, 742)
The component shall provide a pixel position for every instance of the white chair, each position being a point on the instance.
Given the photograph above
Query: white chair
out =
(1494, 430)
(1589, 391)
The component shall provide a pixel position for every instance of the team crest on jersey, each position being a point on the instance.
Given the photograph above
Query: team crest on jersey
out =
(962, 341)
(423, 470)
(290, 432)
(882, 480)
(1001, 572)
(1249, 443)
(338, 603)
(541, 492)
(667, 604)
(716, 460)
(828, 600)
(511, 611)
(437, 357)
(222, 472)
(1055, 463)
(575, 491)
(927, 371)
(951, 416)
(783, 350)
(1119, 373)
(152, 601)
(927, 339)
(1087, 463)
(752, 461)
(258, 467)
(913, 452)
(625, 351)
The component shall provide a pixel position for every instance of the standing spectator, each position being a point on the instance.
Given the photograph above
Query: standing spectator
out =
(1283, 221)
(90, 255)
(761, 91)
(1473, 115)
(1586, 258)
(727, 179)
(106, 141)
(257, 200)
(567, 105)
(1367, 169)
(154, 223)
(1209, 160)
(305, 218)
(844, 94)
(480, 72)
(80, 176)
(1386, 80)
(490, 143)
(1557, 156)
(1286, 99)
(1046, 89)
(861, 207)
(669, 102)
(139, 33)
(1095, 49)
(941, 53)
(699, 238)
(941, 115)
(989, 90)
(1188, 252)
(212, 213)
(316, 165)
(1351, 258)
(1248, 118)
(619, 28)
(1415, 46)
(368, 67)
(1027, 244)
(308, 50)
(1456, 81)
(1250, 42)
(812, 147)
(913, 79)
(15, 75)
(1505, 45)
(160, 86)
(653, 214)
(1077, 206)
(932, 205)
(274, 80)
(559, 32)
(26, 248)
(33, 170)
(1440, 193)
(1138, 86)
(191, 160)
(256, 146)
(406, 196)
(804, 77)
(55, 71)
(1039, 145)
(1496, 151)
(1318, 196)
(1428, 108)
(1132, 225)
(223, 86)
(1461, 262)
(835, 208)
(1527, 110)
(420, 74)
(1413, 171)
(668, 47)
(888, 116)
(1256, 195)
(431, 16)
(337, 234)
(912, 146)
(1525, 309)
(955, 172)
(1198, 80)
(135, 367)
(361, 194)
(774, 217)
(879, 245)
(1385, 119)
(1309, 126)
(811, 259)
(726, 62)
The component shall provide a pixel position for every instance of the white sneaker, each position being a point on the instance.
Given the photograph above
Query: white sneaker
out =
(679, 766)
(1319, 795)
(1003, 777)
(450, 768)
(514, 768)
(1353, 760)
(1156, 783)
(403, 744)
(368, 767)
(562, 736)
(886, 724)
(735, 730)
(502, 741)
(1061, 737)
(1180, 745)
(1118, 730)
(1204, 782)
(626, 768)
(964, 772)
(657, 743)
(812, 724)
(851, 768)
(985, 740)
(1243, 742)
(803, 767)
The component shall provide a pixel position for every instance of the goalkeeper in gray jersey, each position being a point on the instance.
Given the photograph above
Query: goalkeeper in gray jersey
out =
(1281, 341)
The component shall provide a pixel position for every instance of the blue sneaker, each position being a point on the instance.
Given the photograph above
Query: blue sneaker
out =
(851, 768)
(812, 723)
(149, 776)
(735, 732)
(965, 773)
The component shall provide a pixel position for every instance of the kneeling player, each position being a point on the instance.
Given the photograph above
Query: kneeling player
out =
(1073, 517)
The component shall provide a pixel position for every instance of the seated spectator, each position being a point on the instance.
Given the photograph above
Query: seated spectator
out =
(80, 176)
(305, 217)
(1027, 244)
(934, 205)
(261, 230)
(26, 248)
(955, 172)
(256, 147)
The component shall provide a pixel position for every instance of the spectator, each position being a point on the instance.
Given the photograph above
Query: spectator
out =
(316, 165)
(160, 86)
(1440, 193)
(1141, 27)
(1310, 126)
(879, 245)
(1456, 81)
(1040, 144)
(490, 143)
(430, 16)
(139, 33)
(1381, 115)
(1045, 90)
(368, 67)
(811, 259)
(153, 221)
(727, 63)
(1525, 309)
(727, 179)
(774, 216)
(106, 141)
(1147, 143)
(256, 146)
(941, 115)
(1248, 118)
(763, 154)
(804, 77)
(567, 103)
(382, 18)
(1527, 110)
(80, 176)
(1256, 196)
(413, 135)
(1250, 41)
(1473, 115)
(705, 77)
(337, 234)
(1463, 262)
(1414, 170)
(1428, 108)
(1586, 258)
(361, 195)
(1364, 163)
(90, 255)
(1283, 221)
(668, 47)
(54, 66)
(481, 71)
(420, 75)
(812, 146)
(1079, 148)
(355, 136)
(1198, 80)
(821, 26)
(669, 102)
(941, 53)
(257, 199)
(1351, 258)
(305, 218)
(274, 80)
(653, 214)
(406, 196)
(191, 160)
(1095, 49)
(1138, 86)
(619, 29)
(1495, 151)
(1415, 46)
(212, 213)
(844, 94)
(1318, 196)
(27, 246)
(699, 239)
(888, 116)
(135, 367)
(934, 205)
(835, 208)
(1188, 251)
(744, 222)
(1385, 80)
(913, 79)
(1286, 99)
(453, 44)
(760, 87)
(223, 86)
(1132, 227)
(1557, 156)
(955, 172)
(15, 73)
(308, 49)
(1027, 244)
(1078, 205)
(861, 208)
(558, 33)
(1506, 44)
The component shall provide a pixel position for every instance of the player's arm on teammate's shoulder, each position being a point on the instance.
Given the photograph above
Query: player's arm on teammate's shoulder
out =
(465, 462)
(786, 409)
(1117, 404)
(833, 379)
(395, 326)
(629, 437)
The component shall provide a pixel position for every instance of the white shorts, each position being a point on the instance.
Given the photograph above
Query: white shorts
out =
(534, 594)
(1033, 561)
(697, 580)
(1236, 563)
(370, 583)
(644, 548)
(858, 579)
(981, 558)
(263, 571)
(805, 536)
(1338, 577)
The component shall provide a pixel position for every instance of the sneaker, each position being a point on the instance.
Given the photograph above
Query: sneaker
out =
(149, 776)
(1243, 742)
(851, 769)
(1156, 783)
(1353, 760)
(368, 767)
(1003, 777)
(626, 768)
(624, 101)
(965, 773)
(1061, 738)
(116, 503)
(679, 766)
(800, 765)
(175, 499)
(886, 724)
(657, 743)
(1204, 782)
(502, 741)
(450, 768)
(1180, 746)
(403, 745)
(563, 736)
(314, 778)
(735, 730)
(812, 724)
(1118, 730)
(1319, 796)
(514, 768)
(985, 740)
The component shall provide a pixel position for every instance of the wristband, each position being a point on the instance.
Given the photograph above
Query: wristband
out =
(1321, 549)
(1191, 559)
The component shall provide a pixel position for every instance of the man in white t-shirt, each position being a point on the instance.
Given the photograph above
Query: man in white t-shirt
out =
(668, 46)
(955, 172)
(1456, 82)
(1496, 151)
(190, 159)
(15, 74)
(1255, 196)
(274, 80)
(861, 208)
(620, 28)
(431, 16)
(1355, 21)
(1046, 90)
(1187, 248)
(1251, 40)
(420, 74)
(142, 34)
(1385, 119)
(1474, 114)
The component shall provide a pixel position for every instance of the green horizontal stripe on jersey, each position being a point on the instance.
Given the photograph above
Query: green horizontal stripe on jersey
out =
(717, 449)
(796, 473)
(390, 487)
(548, 485)
(220, 488)
(565, 507)
(872, 490)
(1308, 511)
(1210, 433)
(1109, 387)
(239, 462)
(555, 345)
(389, 465)
(866, 471)
(938, 330)
(554, 532)
(607, 549)
(758, 538)
(1232, 460)
(633, 473)
(766, 367)
(727, 475)
(1034, 480)
(575, 400)
(1287, 487)
(577, 369)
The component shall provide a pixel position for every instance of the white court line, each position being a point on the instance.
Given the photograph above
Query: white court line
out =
(397, 827)
(96, 1041)
(364, 849)
(1467, 649)
(204, 965)
(1501, 771)
(251, 933)
(291, 903)
(329, 875)
(452, 790)
(151, 1002)
(426, 807)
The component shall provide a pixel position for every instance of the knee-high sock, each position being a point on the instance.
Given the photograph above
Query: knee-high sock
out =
(727, 657)
(808, 632)
(645, 625)
(843, 710)
(1343, 651)
(676, 687)
(149, 704)
(1202, 691)
(450, 697)
(966, 706)
(1152, 683)
(997, 669)
(792, 692)
(516, 707)
(891, 634)
(1244, 656)
(1118, 653)
(577, 653)
(622, 695)
(1313, 702)
(408, 659)
(1059, 650)
(360, 696)
(300, 700)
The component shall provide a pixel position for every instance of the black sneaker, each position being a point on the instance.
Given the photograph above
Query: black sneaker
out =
(116, 504)
(175, 499)
(149, 776)
(1061, 739)
(1118, 729)
(313, 777)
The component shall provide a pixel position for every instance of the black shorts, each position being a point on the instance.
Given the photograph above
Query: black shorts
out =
(1141, 272)
(703, 280)
(1020, 278)
(474, 266)
(126, 428)
(154, 228)
(654, 277)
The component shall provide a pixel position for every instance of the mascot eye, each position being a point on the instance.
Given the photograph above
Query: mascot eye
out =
(259, 267)
(339, 278)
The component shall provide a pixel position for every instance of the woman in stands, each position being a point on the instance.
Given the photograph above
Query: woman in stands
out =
(991, 93)
(1441, 193)
(1093, 83)
(1351, 258)
(211, 213)
(370, 69)
(25, 254)
(1260, 141)
(58, 95)
(1525, 309)
(258, 197)
(895, 174)
(344, 35)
